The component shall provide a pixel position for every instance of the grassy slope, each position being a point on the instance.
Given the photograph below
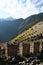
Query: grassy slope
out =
(26, 27)
(30, 21)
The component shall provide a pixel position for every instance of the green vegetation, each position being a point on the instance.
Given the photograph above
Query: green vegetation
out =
(29, 22)
(25, 29)
(9, 29)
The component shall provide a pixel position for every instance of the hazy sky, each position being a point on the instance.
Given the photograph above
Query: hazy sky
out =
(20, 8)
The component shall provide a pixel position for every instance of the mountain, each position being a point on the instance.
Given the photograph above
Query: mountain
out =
(30, 21)
(9, 19)
(8, 28)
(32, 30)
(6, 19)
(32, 34)
(11, 28)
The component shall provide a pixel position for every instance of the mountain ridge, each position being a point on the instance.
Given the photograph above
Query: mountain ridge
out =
(33, 33)
(11, 29)
(30, 21)
(8, 29)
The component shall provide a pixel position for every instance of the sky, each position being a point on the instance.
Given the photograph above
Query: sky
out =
(20, 8)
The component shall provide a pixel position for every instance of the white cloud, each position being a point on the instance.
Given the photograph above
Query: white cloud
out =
(38, 4)
(18, 8)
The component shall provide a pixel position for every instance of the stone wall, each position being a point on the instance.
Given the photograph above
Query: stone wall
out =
(12, 49)
(21, 48)
(2, 49)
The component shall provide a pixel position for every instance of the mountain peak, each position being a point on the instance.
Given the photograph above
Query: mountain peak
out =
(9, 18)
(10, 27)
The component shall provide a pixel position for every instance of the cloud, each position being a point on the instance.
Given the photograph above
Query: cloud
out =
(20, 8)
(35, 1)
(23, 1)
(38, 4)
